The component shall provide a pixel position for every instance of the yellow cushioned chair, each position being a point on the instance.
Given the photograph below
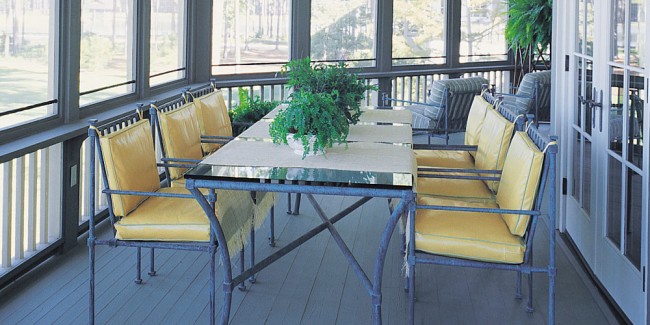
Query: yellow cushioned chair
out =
(213, 118)
(181, 136)
(486, 236)
(459, 158)
(141, 212)
(494, 234)
(494, 140)
(129, 159)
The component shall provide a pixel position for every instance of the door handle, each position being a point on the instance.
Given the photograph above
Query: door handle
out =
(598, 103)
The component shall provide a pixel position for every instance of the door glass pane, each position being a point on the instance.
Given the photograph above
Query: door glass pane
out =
(577, 113)
(586, 177)
(167, 43)
(588, 84)
(575, 162)
(638, 30)
(419, 32)
(580, 27)
(615, 128)
(107, 50)
(635, 120)
(344, 30)
(633, 218)
(614, 201)
(589, 35)
(618, 30)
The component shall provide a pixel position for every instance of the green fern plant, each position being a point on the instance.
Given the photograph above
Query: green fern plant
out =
(310, 114)
(528, 30)
(346, 88)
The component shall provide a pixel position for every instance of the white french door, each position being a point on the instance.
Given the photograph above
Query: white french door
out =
(607, 163)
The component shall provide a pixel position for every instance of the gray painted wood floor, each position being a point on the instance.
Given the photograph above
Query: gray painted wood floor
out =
(311, 285)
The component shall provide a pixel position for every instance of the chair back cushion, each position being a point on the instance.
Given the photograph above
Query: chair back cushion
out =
(493, 142)
(130, 163)
(524, 102)
(213, 118)
(181, 135)
(475, 121)
(462, 92)
(519, 181)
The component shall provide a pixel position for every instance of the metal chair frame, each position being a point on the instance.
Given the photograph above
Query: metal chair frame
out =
(209, 247)
(527, 267)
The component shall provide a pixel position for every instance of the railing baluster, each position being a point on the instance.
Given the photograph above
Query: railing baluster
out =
(19, 208)
(44, 179)
(54, 191)
(85, 176)
(30, 226)
(7, 198)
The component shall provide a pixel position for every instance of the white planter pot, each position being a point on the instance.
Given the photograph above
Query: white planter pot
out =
(296, 145)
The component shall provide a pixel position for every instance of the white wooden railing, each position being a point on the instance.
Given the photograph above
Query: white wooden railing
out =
(30, 201)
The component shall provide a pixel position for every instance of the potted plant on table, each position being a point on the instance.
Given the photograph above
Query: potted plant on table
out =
(345, 87)
(310, 123)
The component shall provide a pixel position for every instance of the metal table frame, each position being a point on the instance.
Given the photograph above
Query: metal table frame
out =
(366, 191)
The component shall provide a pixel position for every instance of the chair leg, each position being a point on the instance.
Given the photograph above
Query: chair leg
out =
(138, 273)
(252, 248)
(152, 269)
(296, 208)
(213, 251)
(272, 226)
(242, 285)
(91, 277)
(518, 294)
(411, 291)
(289, 204)
(529, 307)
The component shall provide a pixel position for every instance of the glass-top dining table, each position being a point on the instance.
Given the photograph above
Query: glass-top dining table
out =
(376, 162)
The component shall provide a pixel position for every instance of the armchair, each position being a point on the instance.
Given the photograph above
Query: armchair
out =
(494, 235)
(446, 108)
(533, 96)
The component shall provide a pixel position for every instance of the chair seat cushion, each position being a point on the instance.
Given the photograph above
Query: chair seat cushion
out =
(458, 189)
(444, 159)
(165, 219)
(468, 235)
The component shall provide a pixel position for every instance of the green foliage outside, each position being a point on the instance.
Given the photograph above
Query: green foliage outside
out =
(345, 88)
(310, 114)
(96, 51)
(249, 111)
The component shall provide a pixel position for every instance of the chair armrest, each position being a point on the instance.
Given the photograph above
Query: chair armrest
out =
(465, 177)
(458, 147)
(472, 209)
(178, 162)
(474, 174)
(141, 193)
